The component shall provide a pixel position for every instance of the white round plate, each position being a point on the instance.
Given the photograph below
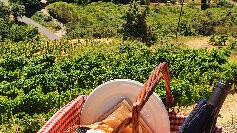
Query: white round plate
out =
(107, 95)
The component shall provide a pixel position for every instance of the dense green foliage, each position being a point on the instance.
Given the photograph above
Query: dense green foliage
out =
(105, 19)
(33, 87)
(27, 3)
(219, 40)
(11, 31)
(16, 33)
(224, 3)
(4, 11)
(193, 22)
(41, 18)
(135, 25)
(46, 21)
(79, 2)
(93, 20)
(18, 10)
(25, 7)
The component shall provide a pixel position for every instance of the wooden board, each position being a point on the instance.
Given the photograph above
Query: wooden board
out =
(121, 112)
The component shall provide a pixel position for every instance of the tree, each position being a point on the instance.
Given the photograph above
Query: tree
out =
(204, 4)
(27, 3)
(4, 11)
(135, 25)
(31, 6)
(17, 10)
(4, 28)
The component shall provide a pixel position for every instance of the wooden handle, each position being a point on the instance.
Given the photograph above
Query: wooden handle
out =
(161, 71)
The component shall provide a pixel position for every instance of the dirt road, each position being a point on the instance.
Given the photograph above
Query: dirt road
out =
(41, 29)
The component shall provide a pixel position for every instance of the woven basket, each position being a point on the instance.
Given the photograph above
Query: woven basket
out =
(69, 115)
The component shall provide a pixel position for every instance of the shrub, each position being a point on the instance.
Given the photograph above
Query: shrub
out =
(41, 17)
(229, 18)
(93, 20)
(79, 2)
(27, 3)
(186, 29)
(18, 10)
(204, 4)
(16, 33)
(89, 1)
(234, 34)
(119, 1)
(135, 24)
(232, 44)
(219, 40)
(4, 28)
(204, 22)
(63, 12)
(225, 4)
(20, 33)
(4, 11)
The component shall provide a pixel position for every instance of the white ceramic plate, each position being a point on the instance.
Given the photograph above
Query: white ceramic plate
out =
(107, 95)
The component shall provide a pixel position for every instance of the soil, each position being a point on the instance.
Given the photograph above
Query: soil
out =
(203, 42)
(199, 42)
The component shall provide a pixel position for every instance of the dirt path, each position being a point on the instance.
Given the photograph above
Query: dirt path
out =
(228, 114)
(197, 42)
(60, 32)
(41, 29)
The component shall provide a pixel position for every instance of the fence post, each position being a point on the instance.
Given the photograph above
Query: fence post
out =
(235, 86)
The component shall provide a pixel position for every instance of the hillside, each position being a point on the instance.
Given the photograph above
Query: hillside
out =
(99, 41)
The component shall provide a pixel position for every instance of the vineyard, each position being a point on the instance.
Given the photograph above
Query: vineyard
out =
(38, 77)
